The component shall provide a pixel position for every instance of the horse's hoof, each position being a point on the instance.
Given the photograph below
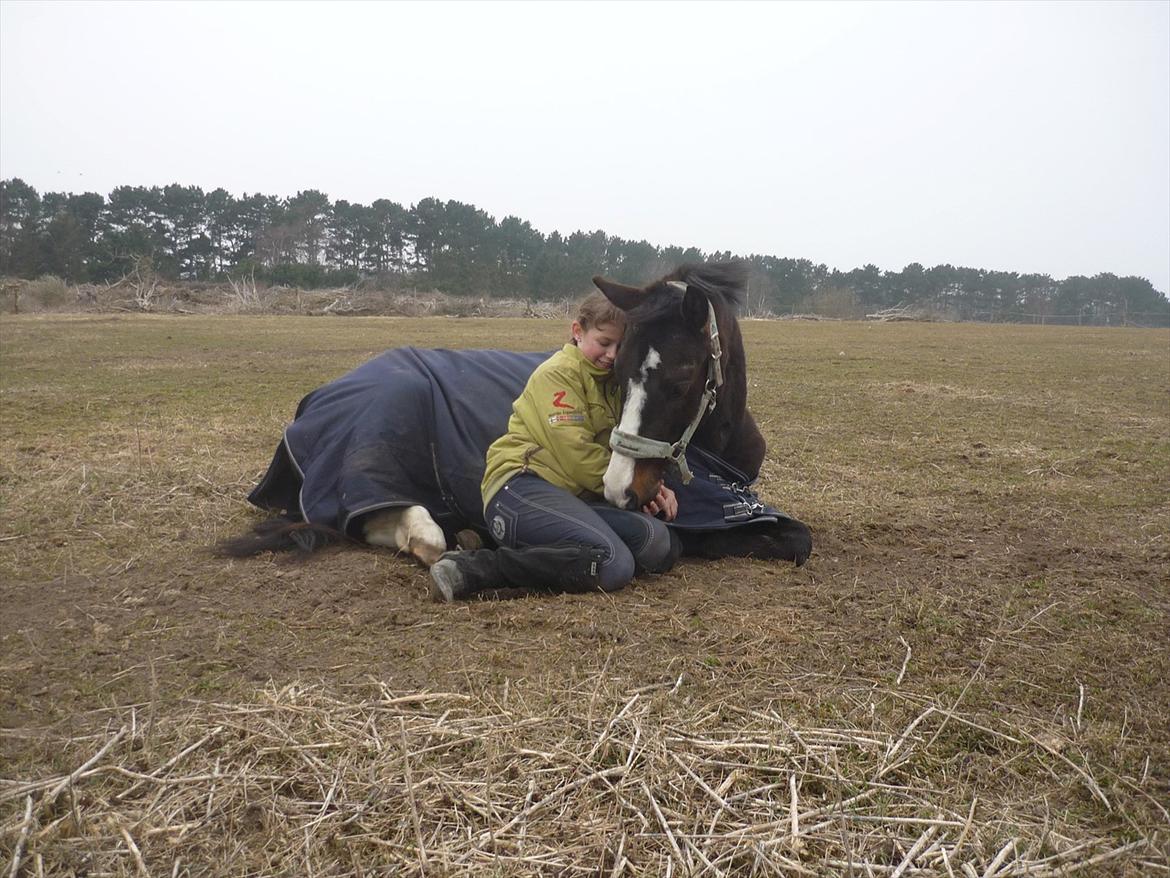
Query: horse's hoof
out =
(468, 540)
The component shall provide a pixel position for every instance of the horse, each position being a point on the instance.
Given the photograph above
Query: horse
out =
(682, 366)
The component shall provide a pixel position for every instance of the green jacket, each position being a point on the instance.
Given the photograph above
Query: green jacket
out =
(559, 428)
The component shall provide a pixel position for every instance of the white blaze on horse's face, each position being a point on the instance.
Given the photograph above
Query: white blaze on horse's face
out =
(619, 475)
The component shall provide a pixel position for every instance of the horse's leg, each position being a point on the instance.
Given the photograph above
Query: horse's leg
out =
(783, 540)
(406, 529)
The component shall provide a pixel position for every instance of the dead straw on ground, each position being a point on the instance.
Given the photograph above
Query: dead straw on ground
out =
(521, 782)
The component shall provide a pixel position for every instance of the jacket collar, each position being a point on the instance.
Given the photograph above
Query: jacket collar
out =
(596, 372)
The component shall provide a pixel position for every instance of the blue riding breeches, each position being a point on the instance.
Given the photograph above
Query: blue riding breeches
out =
(527, 511)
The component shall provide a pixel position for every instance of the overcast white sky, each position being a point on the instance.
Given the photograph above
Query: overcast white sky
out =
(1016, 136)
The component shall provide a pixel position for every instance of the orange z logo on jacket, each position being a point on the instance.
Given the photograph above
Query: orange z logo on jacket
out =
(558, 400)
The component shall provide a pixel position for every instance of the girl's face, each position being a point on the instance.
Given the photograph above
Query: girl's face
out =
(599, 344)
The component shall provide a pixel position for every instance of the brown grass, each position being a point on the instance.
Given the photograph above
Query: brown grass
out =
(968, 678)
(590, 780)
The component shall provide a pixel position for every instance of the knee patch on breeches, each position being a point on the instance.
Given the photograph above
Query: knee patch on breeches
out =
(618, 569)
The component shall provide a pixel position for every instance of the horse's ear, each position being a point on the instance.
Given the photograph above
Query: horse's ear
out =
(621, 295)
(694, 308)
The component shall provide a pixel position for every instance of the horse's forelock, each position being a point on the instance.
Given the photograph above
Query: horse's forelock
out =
(661, 300)
(721, 282)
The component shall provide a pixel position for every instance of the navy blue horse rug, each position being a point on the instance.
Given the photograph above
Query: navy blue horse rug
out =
(411, 428)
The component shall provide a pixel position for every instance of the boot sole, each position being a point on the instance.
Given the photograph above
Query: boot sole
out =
(444, 580)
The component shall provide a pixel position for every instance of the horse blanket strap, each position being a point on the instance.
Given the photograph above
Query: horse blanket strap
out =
(640, 447)
(411, 428)
(718, 497)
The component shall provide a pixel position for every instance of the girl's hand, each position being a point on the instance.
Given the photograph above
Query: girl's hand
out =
(665, 502)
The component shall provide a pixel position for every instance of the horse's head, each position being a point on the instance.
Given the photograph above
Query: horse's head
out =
(671, 366)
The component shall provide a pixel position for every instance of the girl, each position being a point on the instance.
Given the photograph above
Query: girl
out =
(543, 488)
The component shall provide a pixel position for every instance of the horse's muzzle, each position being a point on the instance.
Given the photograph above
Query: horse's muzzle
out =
(631, 484)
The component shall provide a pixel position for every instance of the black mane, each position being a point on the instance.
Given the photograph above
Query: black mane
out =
(721, 282)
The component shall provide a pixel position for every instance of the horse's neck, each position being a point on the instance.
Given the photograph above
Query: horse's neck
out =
(721, 425)
(730, 431)
(719, 428)
(735, 438)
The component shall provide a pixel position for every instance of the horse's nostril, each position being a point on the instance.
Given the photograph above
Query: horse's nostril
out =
(631, 500)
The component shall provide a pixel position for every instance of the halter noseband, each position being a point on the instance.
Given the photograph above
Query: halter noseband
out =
(641, 448)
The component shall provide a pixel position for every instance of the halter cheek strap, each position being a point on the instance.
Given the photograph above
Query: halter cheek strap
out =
(639, 447)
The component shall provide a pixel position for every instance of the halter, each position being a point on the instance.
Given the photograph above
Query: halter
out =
(641, 448)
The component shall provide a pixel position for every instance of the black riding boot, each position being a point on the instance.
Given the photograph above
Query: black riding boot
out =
(459, 575)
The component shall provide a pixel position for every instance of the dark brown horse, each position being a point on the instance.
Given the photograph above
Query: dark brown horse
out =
(684, 375)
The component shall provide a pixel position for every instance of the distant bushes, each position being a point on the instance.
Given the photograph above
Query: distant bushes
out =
(144, 291)
(47, 293)
(308, 277)
(839, 302)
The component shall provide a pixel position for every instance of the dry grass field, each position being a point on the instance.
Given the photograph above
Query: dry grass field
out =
(969, 677)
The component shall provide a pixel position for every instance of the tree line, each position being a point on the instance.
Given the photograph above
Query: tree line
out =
(310, 241)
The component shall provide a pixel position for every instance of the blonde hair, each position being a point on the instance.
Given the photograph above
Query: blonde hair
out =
(596, 310)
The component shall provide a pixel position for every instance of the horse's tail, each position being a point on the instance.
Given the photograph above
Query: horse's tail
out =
(280, 535)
